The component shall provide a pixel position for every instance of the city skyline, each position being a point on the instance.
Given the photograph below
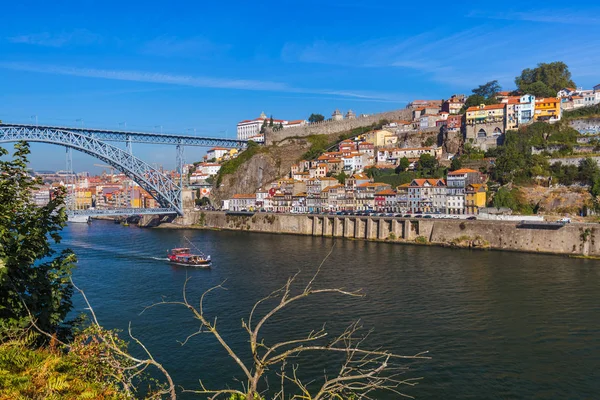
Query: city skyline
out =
(189, 70)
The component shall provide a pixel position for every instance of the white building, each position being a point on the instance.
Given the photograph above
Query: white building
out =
(355, 162)
(525, 109)
(591, 99)
(242, 202)
(216, 153)
(250, 129)
(457, 183)
(292, 124)
(198, 177)
(208, 168)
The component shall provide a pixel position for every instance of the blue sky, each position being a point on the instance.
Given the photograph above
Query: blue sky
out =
(207, 65)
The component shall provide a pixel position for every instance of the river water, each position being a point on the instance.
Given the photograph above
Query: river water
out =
(497, 325)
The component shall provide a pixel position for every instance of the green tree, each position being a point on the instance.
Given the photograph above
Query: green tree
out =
(588, 171)
(477, 100)
(538, 89)
(263, 128)
(554, 75)
(271, 122)
(33, 277)
(341, 177)
(402, 165)
(487, 90)
(513, 199)
(315, 118)
(456, 164)
(427, 164)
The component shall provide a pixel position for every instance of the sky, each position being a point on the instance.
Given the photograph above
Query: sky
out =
(200, 67)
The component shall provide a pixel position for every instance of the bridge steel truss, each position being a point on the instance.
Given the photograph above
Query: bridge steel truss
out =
(142, 137)
(166, 192)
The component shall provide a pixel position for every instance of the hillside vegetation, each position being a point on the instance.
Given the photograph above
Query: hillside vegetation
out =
(584, 112)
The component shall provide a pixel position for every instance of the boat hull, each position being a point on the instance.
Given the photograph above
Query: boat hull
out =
(79, 219)
(199, 265)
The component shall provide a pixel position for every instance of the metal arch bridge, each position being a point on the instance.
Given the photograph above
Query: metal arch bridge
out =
(167, 192)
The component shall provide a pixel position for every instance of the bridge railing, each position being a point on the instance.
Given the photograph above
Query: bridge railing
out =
(115, 212)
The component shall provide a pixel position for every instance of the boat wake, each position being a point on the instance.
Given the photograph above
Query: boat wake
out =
(160, 258)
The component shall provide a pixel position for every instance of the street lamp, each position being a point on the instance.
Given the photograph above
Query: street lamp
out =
(36, 119)
(124, 124)
(159, 126)
(190, 129)
(80, 120)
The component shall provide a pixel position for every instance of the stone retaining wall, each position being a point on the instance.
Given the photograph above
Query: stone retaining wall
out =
(570, 239)
(334, 127)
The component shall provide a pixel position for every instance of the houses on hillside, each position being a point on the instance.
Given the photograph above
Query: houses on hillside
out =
(461, 192)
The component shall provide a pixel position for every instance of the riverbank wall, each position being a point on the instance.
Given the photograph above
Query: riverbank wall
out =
(569, 239)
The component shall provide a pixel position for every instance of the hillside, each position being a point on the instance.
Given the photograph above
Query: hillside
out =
(257, 167)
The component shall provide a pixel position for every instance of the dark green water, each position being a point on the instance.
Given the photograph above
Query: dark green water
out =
(497, 325)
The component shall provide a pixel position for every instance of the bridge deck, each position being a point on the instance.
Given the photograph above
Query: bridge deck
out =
(141, 137)
(121, 212)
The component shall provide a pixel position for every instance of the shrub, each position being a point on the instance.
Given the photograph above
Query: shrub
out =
(421, 240)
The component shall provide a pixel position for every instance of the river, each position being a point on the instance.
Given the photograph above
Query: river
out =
(497, 325)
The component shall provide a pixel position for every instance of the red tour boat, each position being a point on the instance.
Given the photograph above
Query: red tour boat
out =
(182, 256)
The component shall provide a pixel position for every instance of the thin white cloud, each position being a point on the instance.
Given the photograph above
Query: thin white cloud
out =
(461, 59)
(187, 80)
(542, 16)
(189, 47)
(78, 37)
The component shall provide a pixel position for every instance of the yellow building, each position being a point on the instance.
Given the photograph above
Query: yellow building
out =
(83, 199)
(483, 114)
(547, 109)
(381, 138)
(475, 198)
(233, 153)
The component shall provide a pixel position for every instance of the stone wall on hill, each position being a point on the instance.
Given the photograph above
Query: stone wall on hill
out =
(586, 125)
(335, 127)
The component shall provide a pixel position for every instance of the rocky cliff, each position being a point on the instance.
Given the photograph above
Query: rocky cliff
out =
(267, 165)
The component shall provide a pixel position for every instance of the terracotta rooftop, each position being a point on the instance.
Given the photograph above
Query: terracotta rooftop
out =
(462, 171)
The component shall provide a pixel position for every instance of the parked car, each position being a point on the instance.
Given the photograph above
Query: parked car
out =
(418, 216)
(472, 218)
(407, 216)
(564, 220)
(427, 216)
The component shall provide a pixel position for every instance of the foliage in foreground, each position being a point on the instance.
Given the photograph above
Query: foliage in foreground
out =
(94, 365)
(34, 280)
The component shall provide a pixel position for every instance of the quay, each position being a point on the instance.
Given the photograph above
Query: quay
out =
(568, 239)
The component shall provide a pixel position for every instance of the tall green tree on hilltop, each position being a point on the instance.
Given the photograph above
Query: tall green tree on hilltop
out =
(545, 80)
(483, 94)
(315, 118)
(488, 90)
(33, 277)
